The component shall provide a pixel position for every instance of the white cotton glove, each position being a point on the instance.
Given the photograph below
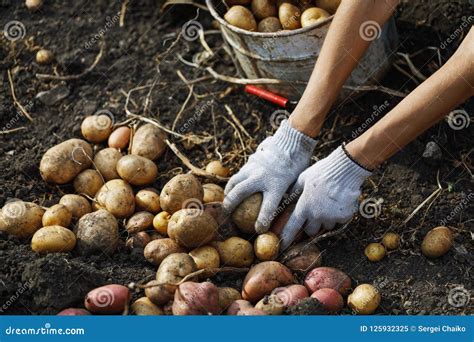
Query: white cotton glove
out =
(271, 170)
(329, 194)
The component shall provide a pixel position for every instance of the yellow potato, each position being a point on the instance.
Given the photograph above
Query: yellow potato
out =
(160, 222)
(53, 239)
(215, 167)
(77, 205)
(97, 232)
(158, 293)
(44, 56)
(391, 241)
(227, 295)
(192, 227)
(88, 182)
(21, 219)
(241, 17)
(328, 5)
(174, 268)
(212, 193)
(156, 250)
(205, 257)
(266, 246)
(138, 240)
(117, 197)
(97, 128)
(246, 214)
(33, 5)
(105, 161)
(144, 307)
(375, 251)
(137, 170)
(313, 16)
(264, 8)
(271, 305)
(120, 138)
(139, 222)
(364, 300)
(149, 142)
(182, 191)
(270, 24)
(289, 16)
(57, 215)
(437, 242)
(148, 200)
(235, 252)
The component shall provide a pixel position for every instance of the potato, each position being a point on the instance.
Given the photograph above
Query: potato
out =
(246, 213)
(374, 251)
(227, 296)
(196, 299)
(120, 138)
(144, 307)
(77, 205)
(137, 170)
(235, 252)
(74, 312)
(44, 56)
(241, 17)
(289, 16)
(251, 312)
(138, 240)
(21, 219)
(330, 299)
(156, 250)
(175, 267)
(180, 191)
(205, 257)
(270, 24)
(391, 241)
(238, 305)
(216, 168)
(263, 278)
(437, 242)
(271, 305)
(159, 294)
(148, 200)
(105, 161)
(117, 197)
(108, 299)
(148, 142)
(192, 227)
(226, 228)
(266, 246)
(139, 222)
(33, 5)
(327, 277)
(62, 163)
(53, 239)
(212, 193)
(161, 221)
(278, 224)
(264, 8)
(291, 295)
(97, 128)
(302, 257)
(88, 182)
(57, 215)
(97, 232)
(364, 300)
(328, 5)
(313, 16)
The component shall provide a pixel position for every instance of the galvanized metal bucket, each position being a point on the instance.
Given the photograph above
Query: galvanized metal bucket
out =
(290, 55)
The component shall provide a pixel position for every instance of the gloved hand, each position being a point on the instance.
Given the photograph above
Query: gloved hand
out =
(271, 170)
(329, 192)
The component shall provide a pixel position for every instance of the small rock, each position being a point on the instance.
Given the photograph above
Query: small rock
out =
(50, 97)
(432, 151)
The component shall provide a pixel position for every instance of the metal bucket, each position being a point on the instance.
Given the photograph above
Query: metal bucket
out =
(290, 55)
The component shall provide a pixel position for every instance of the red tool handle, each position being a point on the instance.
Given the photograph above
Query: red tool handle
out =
(266, 95)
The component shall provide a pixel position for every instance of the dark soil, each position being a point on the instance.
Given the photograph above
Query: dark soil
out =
(409, 282)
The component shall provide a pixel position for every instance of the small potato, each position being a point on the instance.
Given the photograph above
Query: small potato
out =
(145, 307)
(330, 299)
(313, 16)
(148, 142)
(57, 215)
(161, 221)
(196, 299)
(21, 219)
(138, 240)
(213, 193)
(156, 250)
(364, 300)
(238, 305)
(117, 197)
(375, 251)
(227, 296)
(328, 5)
(88, 182)
(137, 170)
(289, 16)
(175, 267)
(272, 305)
(77, 205)
(44, 56)
(139, 222)
(391, 241)
(302, 257)
(270, 24)
(246, 213)
(105, 161)
(437, 242)
(97, 128)
(74, 312)
(192, 228)
(120, 138)
(241, 17)
(235, 252)
(108, 299)
(53, 239)
(327, 277)
(180, 192)
(292, 294)
(266, 246)
(34, 5)
(215, 167)
(148, 200)
(97, 232)
(159, 294)
(205, 257)
(264, 8)
(63, 162)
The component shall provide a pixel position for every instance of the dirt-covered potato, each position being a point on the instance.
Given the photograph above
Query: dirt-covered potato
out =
(182, 191)
(264, 8)
(226, 228)
(192, 228)
(97, 232)
(270, 24)
(137, 170)
(330, 299)
(437, 242)
(327, 277)
(241, 17)
(328, 5)
(212, 193)
(145, 307)
(196, 299)
(364, 300)
(289, 16)
(266, 246)
(77, 205)
(215, 167)
(62, 163)
(158, 293)
(138, 240)
(105, 161)
(205, 257)
(251, 312)
(109, 299)
(88, 182)
(174, 268)
(117, 197)
(97, 128)
(375, 251)
(21, 219)
(227, 296)
(263, 278)
(313, 16)
(238, 305)
(271, 305)
(53, 239)
(156, 250)
(302, 257)
(292, 294)
(57, 215)
(148, 200)
(235, 252)
(246, 213)
(160, 222)
(139, 222)
(149, 142)
(391, 241)
(120, 138)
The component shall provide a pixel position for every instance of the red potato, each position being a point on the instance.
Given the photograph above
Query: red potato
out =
(328, 277)
(108, 299)
(120, 138)
(196, 299)
(238, 305)
(280, 221)
(302, 257)
(291, 295)
(74, 312)
(330, 299)
(251, 312)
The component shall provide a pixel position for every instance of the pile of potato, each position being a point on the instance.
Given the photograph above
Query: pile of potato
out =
(277, 15)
